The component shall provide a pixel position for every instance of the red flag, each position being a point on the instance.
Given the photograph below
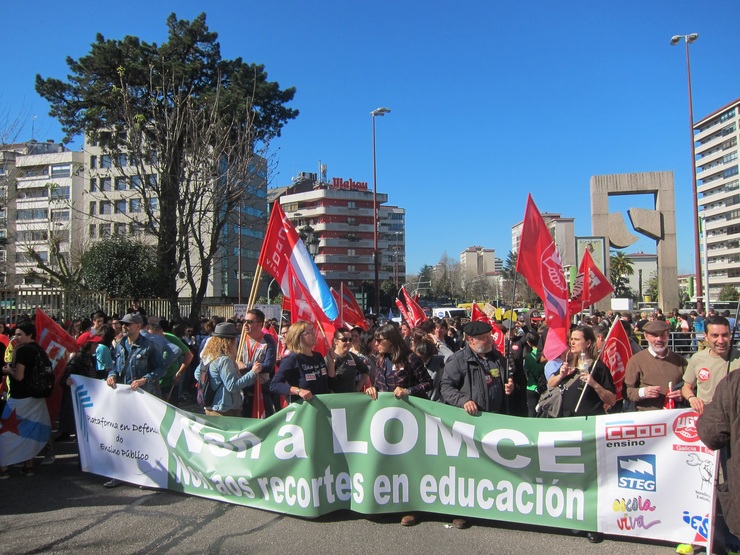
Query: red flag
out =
(350, 313)
(499, 339)
(539, 262)
(258, 406)
(590, 287)
(303, 307)
(415, 311)
(615, 353)
(404, 313)
(477, 315)
(58, 344)
(282, 248)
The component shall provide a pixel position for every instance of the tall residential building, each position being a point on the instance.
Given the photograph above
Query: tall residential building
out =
(716, 149)
(335, 219)
(113, 206)
(42, 188)
(562, 231)
(477, 261)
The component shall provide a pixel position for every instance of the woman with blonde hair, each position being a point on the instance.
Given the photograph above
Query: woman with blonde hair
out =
(304, 372)
(219, 359)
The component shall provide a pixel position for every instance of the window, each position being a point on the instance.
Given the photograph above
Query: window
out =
(105, 184)
(104, 230)
(154, 204)
(105, 207)
(730, 171)
(120, 206)
(32, 214)
(32, 235)
(151, 181)
(3, 256)
(135, 182)
(92, 231)
(350, 267)
(105, 161)
(93, 162)
(93, 208)
(351, 204)
(350, 252)
(134, 205)
(93, 185)
(121, 229)
(120, 183)
(60, 193)
(60, 215)
(64, 170)
(121, 160)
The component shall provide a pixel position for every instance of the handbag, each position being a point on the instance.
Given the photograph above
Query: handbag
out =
(551, 401)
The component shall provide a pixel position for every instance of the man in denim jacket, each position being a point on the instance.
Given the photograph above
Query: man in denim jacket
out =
(136, 358)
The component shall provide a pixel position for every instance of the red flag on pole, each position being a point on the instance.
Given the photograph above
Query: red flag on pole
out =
(404, 313)
(58, 344)
(590, 287)
(350, 313)
(303, 307)
(415, 311)
(282, 248)
(615, 353)
(539, 262)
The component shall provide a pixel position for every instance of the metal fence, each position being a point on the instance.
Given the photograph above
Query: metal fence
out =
(76, 304)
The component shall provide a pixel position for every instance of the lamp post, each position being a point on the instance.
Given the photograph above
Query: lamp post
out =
(688, 39)
(376, 261)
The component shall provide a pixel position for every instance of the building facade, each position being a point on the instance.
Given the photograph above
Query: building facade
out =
(562, 231)
(718, 194)
(477, 261)
(41, 187)
(335, 219)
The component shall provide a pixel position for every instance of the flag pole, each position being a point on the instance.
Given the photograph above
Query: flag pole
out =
(598, 357)
(508, 343)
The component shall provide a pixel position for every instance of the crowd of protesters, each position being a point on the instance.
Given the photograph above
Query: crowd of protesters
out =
(449, 361)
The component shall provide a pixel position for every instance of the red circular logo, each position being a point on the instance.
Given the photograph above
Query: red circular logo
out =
(703, 374)
(684, 426)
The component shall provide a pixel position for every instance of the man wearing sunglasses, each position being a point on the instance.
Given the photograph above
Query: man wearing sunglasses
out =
(258, 351)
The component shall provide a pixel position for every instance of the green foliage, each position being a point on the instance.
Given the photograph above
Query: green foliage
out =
(122, 267)
(652, 287)
(621, 267)
(728, 293)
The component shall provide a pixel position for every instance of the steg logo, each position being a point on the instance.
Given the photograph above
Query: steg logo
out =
(636, 472)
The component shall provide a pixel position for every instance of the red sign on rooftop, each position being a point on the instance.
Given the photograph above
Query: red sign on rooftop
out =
(339, 183)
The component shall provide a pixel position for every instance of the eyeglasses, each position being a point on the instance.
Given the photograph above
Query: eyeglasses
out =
(309, 332)
(344, 339)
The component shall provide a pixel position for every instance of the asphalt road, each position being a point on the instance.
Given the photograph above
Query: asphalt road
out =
(64, 510)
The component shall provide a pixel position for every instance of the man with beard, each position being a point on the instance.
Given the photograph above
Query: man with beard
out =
(473, 376)
(650, 372)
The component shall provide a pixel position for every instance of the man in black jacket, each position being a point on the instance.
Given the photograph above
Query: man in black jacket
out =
(473, 377)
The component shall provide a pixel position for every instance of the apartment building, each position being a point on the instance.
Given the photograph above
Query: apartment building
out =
(562, 231)
(335, 219)
(718, 196)
(41, 185)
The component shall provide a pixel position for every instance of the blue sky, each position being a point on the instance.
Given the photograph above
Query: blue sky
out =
(490, 100)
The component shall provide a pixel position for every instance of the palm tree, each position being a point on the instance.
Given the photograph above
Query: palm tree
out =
(621, 267)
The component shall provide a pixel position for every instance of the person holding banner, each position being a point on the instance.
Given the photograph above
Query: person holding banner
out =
(350, 372)
(593, 390)
(473, 378)
(258, 350)
(26, 441)
(649, 373)
(304, 372)
(219, 359)
(400, 371)
(137, 360)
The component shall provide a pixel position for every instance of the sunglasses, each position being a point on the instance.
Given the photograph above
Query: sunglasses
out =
(344, 339)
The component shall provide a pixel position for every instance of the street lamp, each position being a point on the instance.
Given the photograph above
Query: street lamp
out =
(376, 261)
(688, 39)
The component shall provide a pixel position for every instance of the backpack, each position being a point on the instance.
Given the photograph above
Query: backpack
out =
(206, 390)
(41, 378)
